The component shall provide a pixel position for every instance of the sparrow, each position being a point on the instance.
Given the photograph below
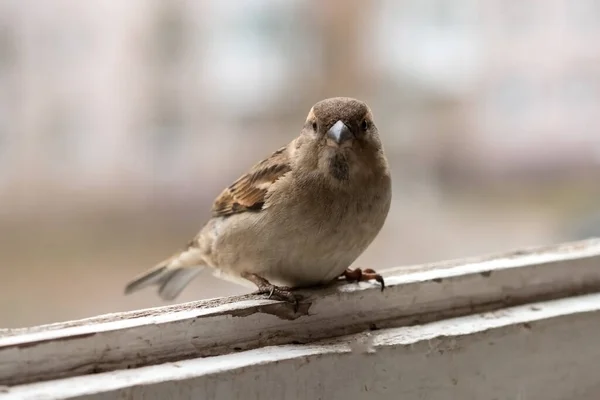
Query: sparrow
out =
(298, 218)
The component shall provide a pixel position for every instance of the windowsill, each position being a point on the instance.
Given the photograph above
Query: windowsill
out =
(425, 295)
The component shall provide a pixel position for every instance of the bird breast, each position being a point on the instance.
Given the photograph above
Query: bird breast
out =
(307, 237)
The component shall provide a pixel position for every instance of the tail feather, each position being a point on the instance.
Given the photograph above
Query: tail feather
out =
(177, 280)
(152, 277)
(171, 275)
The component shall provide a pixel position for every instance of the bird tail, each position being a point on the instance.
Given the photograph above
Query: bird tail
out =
(171, 276)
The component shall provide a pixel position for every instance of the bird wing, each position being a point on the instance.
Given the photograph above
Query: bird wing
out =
(249, 192)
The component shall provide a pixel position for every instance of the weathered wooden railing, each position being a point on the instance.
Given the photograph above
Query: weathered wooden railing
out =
(524, 325)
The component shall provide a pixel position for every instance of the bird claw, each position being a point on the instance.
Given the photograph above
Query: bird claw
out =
(358, 275)
(379, 278)
(282, 293)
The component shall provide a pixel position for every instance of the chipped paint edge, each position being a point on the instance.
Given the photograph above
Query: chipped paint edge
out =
(125, 382)
(414, 297)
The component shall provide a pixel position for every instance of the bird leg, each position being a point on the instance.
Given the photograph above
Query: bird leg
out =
(265, 287)
(359, 275)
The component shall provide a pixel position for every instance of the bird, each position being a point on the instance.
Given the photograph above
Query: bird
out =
(299, 218)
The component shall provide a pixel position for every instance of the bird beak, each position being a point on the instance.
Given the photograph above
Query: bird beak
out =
(339, 133)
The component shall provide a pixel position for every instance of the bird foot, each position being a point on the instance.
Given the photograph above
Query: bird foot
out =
(283, 293)
(359, 275)
(277, 292)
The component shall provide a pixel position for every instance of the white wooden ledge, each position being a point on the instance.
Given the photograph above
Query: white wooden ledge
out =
(459, 299)
(528, 352)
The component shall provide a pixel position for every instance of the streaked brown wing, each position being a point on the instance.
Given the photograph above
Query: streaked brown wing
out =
(249, 191)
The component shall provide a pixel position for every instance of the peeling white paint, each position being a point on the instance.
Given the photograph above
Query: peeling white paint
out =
(544, 351)
(431, 296)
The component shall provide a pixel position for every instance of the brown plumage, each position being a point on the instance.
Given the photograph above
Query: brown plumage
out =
(248, 192)
(298, 218)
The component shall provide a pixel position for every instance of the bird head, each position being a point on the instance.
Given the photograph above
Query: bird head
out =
(340, 140)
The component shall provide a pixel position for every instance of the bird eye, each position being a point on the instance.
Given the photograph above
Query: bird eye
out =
(364, 125)
(314, 126)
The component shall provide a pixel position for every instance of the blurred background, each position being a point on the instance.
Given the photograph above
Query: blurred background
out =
(121, 121)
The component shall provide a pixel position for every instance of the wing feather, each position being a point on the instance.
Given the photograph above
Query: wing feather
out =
(249, 192)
